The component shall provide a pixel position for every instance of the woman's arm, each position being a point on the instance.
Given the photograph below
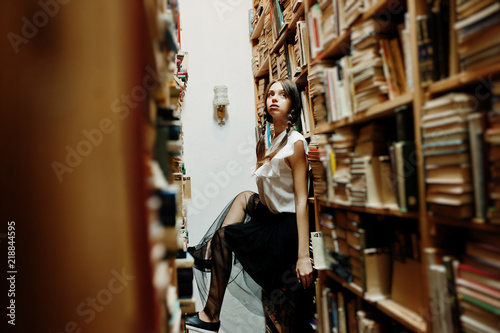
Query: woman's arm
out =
(299, 164)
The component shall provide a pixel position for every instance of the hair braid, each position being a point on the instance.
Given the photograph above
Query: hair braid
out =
(290, 121)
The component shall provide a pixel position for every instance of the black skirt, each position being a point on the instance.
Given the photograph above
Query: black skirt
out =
(265, 250)
(264, 245)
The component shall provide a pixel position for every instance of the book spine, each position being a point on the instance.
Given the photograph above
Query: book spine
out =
(362, 243)
(452, 293)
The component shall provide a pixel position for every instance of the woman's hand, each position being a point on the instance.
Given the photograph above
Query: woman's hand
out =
(304, 272)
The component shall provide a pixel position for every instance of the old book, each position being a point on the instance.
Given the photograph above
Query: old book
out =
(456, 174)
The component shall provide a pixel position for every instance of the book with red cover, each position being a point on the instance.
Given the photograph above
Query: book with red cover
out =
(479, 276)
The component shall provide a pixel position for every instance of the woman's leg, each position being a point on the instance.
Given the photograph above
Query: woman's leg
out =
(221, 259)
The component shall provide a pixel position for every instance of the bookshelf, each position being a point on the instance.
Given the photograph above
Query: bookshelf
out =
(369, 210)
(83, 230)
(167, 185)
(377, 111)
(432, 70)
(447, 226)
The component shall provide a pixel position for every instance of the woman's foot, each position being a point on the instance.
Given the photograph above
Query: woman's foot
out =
(197, 324)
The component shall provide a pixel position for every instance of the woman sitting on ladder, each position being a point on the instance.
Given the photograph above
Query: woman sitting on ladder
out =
(268, 231)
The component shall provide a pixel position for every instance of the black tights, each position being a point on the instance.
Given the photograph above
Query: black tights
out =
(221, 256)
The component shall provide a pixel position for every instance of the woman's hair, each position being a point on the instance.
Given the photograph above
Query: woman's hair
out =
(292, 94)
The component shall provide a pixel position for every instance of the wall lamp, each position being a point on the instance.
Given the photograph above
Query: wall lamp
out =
(220, 103)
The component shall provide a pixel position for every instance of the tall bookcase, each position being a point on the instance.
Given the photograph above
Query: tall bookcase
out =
(168, 187)
(77, 191)
(404, 209)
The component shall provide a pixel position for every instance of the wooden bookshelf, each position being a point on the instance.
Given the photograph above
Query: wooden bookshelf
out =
(375, 112)
(290, 29)
(465, 224)
(258, 27)
(463, 79)
(370, 210)
(301, 79)
(348, 285)
(394, 310)
(402, 315)
(337, 47)
(264, 69)
(428, 227)
(381, 5)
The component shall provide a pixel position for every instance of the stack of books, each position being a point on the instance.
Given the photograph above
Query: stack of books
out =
(261, 99)
(294, 57)
(315, 29)
(353, 9)
(329, 21)
(370, 85)
(255, 59)
(478, 29)
(365, 187)
(336, 249)
(317, 161)
(478, 283)
(287, 10)
(317, 90)
(343, 141)
(339, 90)
(281, 63)
(356, 241)
(268, 30)
(302, 40)
(394, 68)
(446, 151)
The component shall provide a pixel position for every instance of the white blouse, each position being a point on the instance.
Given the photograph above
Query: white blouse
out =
(275, 179)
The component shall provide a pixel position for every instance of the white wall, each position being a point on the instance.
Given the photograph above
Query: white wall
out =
(219, 160)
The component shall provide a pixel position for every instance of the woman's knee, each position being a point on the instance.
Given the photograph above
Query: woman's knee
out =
(243, 197)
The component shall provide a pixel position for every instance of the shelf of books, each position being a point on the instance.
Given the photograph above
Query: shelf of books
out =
(167, 184)
(405, 140)
(401, 102)
(280, 49)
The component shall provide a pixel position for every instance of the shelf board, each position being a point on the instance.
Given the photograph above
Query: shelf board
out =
(258, 27)
(380, 110)
(463, 79)
(397, 312)
(349, 286)
(378, 7)
(289, 31)
(404, 316)
(264, 69)
(301, 79)
(339, 46)
(465, 224)
(370, 210)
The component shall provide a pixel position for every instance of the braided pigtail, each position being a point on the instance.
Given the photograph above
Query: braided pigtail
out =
(290, 122)
(261, 146)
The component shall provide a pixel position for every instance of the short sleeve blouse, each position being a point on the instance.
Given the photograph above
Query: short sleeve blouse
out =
(275, 179)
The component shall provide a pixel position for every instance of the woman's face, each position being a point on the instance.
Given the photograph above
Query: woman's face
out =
(278, 104)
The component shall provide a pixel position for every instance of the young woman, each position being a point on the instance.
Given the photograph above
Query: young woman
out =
(268, 231)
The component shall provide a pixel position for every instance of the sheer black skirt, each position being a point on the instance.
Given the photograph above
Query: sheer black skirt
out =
(255, 258)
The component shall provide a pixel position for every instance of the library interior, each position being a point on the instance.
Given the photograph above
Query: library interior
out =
(130, 126)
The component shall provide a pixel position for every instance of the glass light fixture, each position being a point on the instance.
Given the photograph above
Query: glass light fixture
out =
(220, 103)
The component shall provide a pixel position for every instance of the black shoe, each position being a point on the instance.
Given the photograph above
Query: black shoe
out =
(194, 323)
